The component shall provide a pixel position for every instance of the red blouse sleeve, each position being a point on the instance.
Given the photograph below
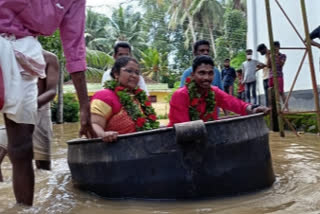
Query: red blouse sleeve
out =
(179, 107)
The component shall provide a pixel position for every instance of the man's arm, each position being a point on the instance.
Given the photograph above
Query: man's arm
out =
(315, 33)
(217, 78)
(234, 75)
(260, 65)
(80, 84)
(72, 31)
(242, 75)
(222, 74)
(179, 108)
(52, 71)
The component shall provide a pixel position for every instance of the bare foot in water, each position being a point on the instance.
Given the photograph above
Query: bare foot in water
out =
(43, 164)
(3, 153)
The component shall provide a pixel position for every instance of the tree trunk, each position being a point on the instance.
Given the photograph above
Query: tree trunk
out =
(60, 94)
(212, 41)
(237, 4)
(194, 37)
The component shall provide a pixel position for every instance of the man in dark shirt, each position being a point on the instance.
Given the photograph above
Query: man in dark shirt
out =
(315, 34)
(228, 77)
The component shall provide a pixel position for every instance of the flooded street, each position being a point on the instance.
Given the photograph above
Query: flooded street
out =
(296, 162)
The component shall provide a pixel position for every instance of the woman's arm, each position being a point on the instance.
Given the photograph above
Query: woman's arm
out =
(98, 124)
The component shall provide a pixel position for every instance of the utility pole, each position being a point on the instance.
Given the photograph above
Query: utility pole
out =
(310, 55)
(274, 69)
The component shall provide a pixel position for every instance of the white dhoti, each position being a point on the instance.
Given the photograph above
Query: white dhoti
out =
(42, 134)
(21, 63)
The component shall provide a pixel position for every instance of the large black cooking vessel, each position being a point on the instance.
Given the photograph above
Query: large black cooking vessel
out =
(191, 160)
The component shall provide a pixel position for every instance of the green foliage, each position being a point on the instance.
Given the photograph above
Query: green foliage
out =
(237, 61)
(97, 63)
(233, 42)
(162, 117)
(222, 50)
(126, 25)
(171, 78)
(235, 27)
(53, 44)
(301, 122)
(154, 64)
(182, 56)
(70, 108)
(95, 30)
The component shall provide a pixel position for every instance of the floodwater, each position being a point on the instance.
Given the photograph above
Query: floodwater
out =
(296, 162)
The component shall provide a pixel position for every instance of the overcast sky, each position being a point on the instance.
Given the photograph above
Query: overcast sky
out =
(105, 6)
(112, 3)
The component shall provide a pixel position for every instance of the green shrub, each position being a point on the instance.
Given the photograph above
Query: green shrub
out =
(162, 117)
(301, 122)
(70, 108)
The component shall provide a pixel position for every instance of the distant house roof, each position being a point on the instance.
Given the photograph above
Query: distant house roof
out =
(158, 87)
(93, 87)
(148, 80)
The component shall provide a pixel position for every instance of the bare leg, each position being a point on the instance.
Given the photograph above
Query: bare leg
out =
(3, 153)
(20, 153)
(43, 164)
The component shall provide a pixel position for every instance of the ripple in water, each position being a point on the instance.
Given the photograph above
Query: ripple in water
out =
(296, 162)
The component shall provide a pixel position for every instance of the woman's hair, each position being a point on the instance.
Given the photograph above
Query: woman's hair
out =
(121, 62)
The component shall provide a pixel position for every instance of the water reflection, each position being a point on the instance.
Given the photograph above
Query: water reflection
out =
(296, 163)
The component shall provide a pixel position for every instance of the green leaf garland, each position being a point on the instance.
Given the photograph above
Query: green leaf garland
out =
(194, 98)
(145, 119)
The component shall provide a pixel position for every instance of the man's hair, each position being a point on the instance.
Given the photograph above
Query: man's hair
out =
(249, 50)
(227, 60)
(121, 62)
(199, 60)
(239, 71)
(198, 43)
(276, 44)
(261, 47)
(121, 45)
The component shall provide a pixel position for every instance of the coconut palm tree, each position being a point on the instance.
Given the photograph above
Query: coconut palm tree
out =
(95, 32)
(127, 26)
(202, 17)
(237, 4)
(154, 64)
(208, 14)
(180, 13)
(97, 63)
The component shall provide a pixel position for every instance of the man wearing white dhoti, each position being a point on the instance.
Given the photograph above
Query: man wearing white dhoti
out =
(42, 134)
(24, 19)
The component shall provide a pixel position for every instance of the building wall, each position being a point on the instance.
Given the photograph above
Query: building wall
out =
(161, 106)
(283, 32)
(300, 100)
(161, 96)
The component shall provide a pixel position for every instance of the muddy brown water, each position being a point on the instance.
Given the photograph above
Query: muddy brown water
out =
(296, 162)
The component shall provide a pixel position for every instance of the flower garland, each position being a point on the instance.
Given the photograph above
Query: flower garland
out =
(194, 98)
(145, 120)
